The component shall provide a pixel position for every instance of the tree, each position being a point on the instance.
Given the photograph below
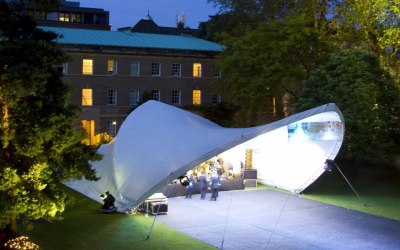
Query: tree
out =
(270, 62)
(237, 16)
(255, 11)
(271, 47)
(262, 10)
(372, 25)
(376, 21)
(368, 98)
(221, 113)
(41, 147)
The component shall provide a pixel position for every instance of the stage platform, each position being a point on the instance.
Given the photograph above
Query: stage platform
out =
(177, 189)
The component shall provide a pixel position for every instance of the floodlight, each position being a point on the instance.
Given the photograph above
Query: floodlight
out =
(328, 165)
(184, 180)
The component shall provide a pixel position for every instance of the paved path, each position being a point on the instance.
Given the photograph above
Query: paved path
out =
(266, 219)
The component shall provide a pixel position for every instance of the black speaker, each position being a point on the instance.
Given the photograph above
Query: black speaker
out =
(250, 174)
(158, 207)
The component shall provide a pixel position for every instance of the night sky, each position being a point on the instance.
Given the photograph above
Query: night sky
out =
(125, 13)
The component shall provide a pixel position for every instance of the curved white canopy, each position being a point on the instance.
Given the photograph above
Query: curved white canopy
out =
(158, 143)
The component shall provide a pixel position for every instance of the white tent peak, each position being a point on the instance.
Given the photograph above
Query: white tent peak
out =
(158, 143)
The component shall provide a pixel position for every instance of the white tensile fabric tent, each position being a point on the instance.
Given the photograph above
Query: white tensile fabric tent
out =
(157, 143)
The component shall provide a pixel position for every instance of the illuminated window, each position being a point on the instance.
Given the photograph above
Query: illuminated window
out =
(87, 97)
(216, 98)
(134, 97)
(196, 97)
(197, 69)
(87, 66)
(176, 97)
(135, 68)
(112, 67)
(249, 158)
(155, 95)
(63, 17)
(155, 69)
(176, 69)
(111, 97)
(112, 128)
(75, 17)
(88, 127)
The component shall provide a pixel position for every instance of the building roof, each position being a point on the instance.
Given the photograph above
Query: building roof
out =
(147, 25)
(132, 39)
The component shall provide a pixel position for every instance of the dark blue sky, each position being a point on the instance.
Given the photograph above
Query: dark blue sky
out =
(124, 13)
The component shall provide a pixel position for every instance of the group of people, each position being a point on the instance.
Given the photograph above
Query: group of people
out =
(214, 185)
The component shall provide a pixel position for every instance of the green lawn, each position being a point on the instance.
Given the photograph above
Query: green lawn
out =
(378, 193)
(83, 227)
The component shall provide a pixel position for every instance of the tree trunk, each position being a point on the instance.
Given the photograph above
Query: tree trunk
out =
(11, 228)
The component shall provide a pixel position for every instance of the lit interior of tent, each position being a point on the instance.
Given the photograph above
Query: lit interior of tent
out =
(157, 143)
(290, 157)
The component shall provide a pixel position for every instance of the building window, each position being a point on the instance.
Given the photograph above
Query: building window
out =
(63, 17)
(216, 98)
(155, 95)
(40, 15)
(52, 16)
(96, 19)
(31, 14)
(88, 18)
(155, 69)
(134, 97)
(135, 68)
(88, 127)
(196, 97)
(176, 69)
(112, 128)
(197, 69)
(216, 72)
(87, 66)
(63, 68)
(176, 97)
(87, 97)
(112, 67)
(249, 158)
(111, 97)
(75, 17)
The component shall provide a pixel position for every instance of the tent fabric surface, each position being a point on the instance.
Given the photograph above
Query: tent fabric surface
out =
(157, 143)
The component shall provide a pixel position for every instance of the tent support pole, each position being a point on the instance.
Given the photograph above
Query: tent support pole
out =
(348, 182)
(152, 225)
(158, 209)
